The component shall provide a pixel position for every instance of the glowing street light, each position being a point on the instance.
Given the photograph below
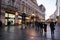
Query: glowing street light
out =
(16, 13)
(33, 14)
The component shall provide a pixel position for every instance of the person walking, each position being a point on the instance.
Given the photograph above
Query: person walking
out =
(1, 24)
(45, 27)
(36, 25)
(52, 27)
(41, 26)
(8, 24)
(1, 27)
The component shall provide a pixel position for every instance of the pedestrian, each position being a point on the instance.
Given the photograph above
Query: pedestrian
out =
(41, 26)
(45, 27)
(1, 31)
(8, 24)
(52, 27)
(36, 25)
(1, 26)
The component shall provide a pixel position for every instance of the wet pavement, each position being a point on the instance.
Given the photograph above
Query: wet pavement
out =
(16, 33)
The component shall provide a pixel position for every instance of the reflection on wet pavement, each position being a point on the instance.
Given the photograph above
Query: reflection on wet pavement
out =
(15, 33)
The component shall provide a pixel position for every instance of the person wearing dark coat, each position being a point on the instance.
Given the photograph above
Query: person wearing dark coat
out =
(8, 24)
(52, 27)
(45, 27)
(37, 25)
(41, 26)
(0, 24)
(1, 31)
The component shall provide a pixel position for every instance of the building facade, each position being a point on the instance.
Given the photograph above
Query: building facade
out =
(57, 12)
(53, 16)
(42, 8)
(11, 10)
(8, 11)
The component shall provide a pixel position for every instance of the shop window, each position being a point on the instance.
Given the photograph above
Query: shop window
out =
(11, 18)
(19, 21)
(9, 15)
(6, 15)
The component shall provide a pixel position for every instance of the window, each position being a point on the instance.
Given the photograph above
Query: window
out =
(9, 15)
(10, 2)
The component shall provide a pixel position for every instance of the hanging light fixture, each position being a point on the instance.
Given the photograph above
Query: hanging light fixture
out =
(16, 13)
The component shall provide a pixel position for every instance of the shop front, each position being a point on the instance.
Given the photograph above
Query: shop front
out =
(9, 14)
(9, 17)
(19, 20)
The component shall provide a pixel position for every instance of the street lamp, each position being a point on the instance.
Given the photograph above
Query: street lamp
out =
(16, 13)
(33, 14)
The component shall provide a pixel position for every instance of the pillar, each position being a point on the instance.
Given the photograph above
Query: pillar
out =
(2, 17)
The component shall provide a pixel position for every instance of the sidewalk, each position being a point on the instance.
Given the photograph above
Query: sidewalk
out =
(56, 34)
(29, 34)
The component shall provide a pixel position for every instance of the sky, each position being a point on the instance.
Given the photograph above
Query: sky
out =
(50, 6)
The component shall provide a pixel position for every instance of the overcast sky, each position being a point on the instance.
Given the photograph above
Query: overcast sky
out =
(50, 6)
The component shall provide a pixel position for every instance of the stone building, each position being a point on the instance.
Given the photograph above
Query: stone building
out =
(57, 12)
(11, 10)
(42, 8)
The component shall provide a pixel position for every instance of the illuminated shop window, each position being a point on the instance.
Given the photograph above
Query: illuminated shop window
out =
(6, 15)
(19, 21)
(9, 15)
(11, 18)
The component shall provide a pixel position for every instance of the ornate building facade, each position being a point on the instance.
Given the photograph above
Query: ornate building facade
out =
(11, 10)
(42, 8)
(57, 12)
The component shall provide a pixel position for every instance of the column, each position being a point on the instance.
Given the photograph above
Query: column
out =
(16, 18)
(2, 17)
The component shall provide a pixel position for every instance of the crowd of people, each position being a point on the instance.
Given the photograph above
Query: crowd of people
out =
(2, 26)
(43, 25)
(39, 26)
